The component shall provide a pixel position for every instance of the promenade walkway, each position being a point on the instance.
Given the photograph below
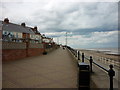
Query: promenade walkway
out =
(57, 69)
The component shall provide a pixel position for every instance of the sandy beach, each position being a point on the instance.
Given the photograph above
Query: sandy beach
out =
(99, 55)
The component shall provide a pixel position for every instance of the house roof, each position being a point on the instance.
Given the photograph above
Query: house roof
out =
(16, 28)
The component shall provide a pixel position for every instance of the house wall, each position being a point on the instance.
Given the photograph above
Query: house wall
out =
(24, 35)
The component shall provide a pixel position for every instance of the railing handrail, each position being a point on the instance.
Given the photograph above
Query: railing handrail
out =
(111, 72)
(98, 65)
(93, 61)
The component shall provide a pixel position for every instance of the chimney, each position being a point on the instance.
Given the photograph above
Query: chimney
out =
(23, 24)
(6, 20)
(35, 29)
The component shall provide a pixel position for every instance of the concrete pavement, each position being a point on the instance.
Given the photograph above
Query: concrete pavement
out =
(57, 69)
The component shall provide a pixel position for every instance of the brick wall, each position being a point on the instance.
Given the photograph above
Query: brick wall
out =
(0, 52)
(14, 51)
(35, 51)
(13, 54)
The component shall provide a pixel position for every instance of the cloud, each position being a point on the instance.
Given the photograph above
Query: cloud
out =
(60, 0)
(78, 16)
(94, 40)
(88, 22)
(64, 15)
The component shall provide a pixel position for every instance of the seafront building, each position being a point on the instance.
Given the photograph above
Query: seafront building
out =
(20, 41)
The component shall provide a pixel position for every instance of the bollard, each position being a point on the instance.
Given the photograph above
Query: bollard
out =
(82, 57)
(111, 73)
(78, 55)
(91, 61)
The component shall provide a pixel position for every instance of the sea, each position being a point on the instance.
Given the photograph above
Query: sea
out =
(112, 51)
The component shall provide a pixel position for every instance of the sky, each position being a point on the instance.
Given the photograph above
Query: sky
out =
(88, 23)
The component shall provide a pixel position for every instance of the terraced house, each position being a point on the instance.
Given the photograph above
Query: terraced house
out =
(20, 41)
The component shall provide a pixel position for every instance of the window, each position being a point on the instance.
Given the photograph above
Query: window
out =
(11, 34)
(16, 35)
(32, 36)
(5, 32)
(37, 37)
(19, 35)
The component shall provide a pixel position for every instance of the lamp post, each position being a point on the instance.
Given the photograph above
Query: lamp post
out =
(58, 40)
(66, 38)
(67, 35)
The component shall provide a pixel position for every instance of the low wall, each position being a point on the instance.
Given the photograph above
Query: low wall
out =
(13, 45)
(13, 54)
(52, 48)
(17, 50)
(34, 49)
(35, 45)
(14, 51)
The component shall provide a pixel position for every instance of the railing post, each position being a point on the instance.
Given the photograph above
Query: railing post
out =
(82, 57)
(91, 61)
(78, 55)
(111, 73)
(75, 53)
